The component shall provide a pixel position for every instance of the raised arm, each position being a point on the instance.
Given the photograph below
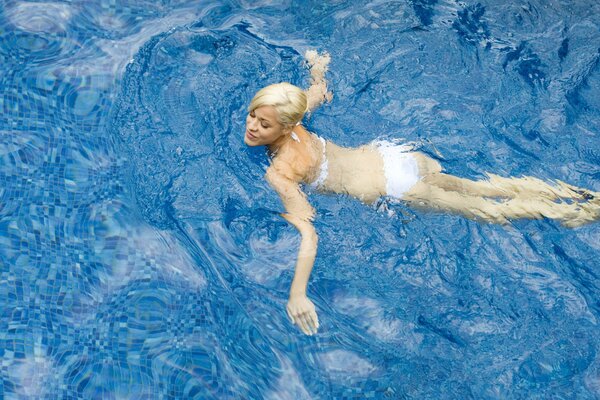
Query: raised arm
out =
(300, 214)
(317, 92)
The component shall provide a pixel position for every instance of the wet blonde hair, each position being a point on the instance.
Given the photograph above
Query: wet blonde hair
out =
(289, 100)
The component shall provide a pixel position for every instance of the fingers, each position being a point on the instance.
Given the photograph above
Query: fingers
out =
(290, 315)
(304, 324)
(310, 324)
(315, 320)
(303, 315)
(310, 55)
(301, 321)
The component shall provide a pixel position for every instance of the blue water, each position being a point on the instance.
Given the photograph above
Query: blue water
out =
(141, 252)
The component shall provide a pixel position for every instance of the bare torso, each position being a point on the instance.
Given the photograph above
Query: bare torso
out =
(356, 171)
(359, 171)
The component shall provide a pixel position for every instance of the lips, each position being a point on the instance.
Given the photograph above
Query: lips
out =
(251, 136)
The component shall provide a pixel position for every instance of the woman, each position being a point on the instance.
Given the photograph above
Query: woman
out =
(380, 169)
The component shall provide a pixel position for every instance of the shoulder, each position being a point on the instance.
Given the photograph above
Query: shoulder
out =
(296, 159)
(280, 170)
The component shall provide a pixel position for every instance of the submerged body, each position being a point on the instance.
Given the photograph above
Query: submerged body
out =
(378, 169)
(370, 171)
(382, 168)
(353, 171)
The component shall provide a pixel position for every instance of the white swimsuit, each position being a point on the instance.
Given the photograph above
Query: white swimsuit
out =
(399, 166)
(323, 168)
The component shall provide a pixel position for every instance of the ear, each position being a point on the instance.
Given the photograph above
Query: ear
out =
(287, 129)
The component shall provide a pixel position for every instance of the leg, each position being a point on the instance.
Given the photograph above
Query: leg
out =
(467, 187)
(528, 186)
(431, 197)
(497, 186)
(424, 195)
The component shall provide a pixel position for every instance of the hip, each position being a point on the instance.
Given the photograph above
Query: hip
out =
(402, 167)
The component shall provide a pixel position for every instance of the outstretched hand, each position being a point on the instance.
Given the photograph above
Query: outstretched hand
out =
(317, 92)
(302, 313)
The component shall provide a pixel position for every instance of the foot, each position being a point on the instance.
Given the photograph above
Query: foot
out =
(590, 212)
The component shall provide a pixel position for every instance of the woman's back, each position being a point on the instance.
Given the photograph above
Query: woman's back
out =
(355, 171)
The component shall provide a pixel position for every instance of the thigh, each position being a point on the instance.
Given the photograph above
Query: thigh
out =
(453, 183)
(427, 165)
(431, 197)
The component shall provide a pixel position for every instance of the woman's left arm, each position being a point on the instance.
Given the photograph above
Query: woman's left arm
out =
(317, 93)
(300, 214)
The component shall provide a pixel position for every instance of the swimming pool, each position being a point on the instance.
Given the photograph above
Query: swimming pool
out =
(142, 254)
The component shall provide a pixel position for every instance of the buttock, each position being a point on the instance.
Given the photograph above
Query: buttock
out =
(401, 167)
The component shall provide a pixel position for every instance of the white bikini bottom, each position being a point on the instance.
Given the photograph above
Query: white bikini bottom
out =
(400, 167)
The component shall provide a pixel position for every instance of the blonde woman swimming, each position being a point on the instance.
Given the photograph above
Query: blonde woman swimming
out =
(378, 169)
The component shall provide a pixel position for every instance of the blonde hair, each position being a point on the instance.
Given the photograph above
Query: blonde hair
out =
(289, 100)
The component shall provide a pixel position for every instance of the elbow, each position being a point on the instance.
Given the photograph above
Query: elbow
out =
(308, 246)
(310, 236)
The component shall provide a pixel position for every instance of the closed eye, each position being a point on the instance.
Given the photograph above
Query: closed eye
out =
(252, 115)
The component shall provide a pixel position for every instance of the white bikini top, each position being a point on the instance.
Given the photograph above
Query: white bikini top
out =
(323, 168)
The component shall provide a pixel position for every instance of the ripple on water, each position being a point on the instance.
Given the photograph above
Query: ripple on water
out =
(343, 365)
(370, 315)
(188, 299)
(555, 363)
(167, 90)
(39, 17)
(289, 385)
(34, 375)
(39, 32)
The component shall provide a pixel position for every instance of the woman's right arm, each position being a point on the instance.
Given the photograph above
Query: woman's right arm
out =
(300, 214)
(317, 92)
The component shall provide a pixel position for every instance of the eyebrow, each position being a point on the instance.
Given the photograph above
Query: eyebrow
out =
(262, 119)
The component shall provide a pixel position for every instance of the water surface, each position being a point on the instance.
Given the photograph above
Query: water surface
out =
(142, 254)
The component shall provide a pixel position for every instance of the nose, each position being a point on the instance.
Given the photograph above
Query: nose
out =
(252, 124)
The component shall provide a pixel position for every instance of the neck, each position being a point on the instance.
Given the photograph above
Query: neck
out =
(279, 142)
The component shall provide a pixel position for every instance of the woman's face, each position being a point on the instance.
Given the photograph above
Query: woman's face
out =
(262, 127)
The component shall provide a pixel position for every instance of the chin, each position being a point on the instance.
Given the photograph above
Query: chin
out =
(250, 144)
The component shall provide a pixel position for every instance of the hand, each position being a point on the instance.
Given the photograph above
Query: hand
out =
(302, 312)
